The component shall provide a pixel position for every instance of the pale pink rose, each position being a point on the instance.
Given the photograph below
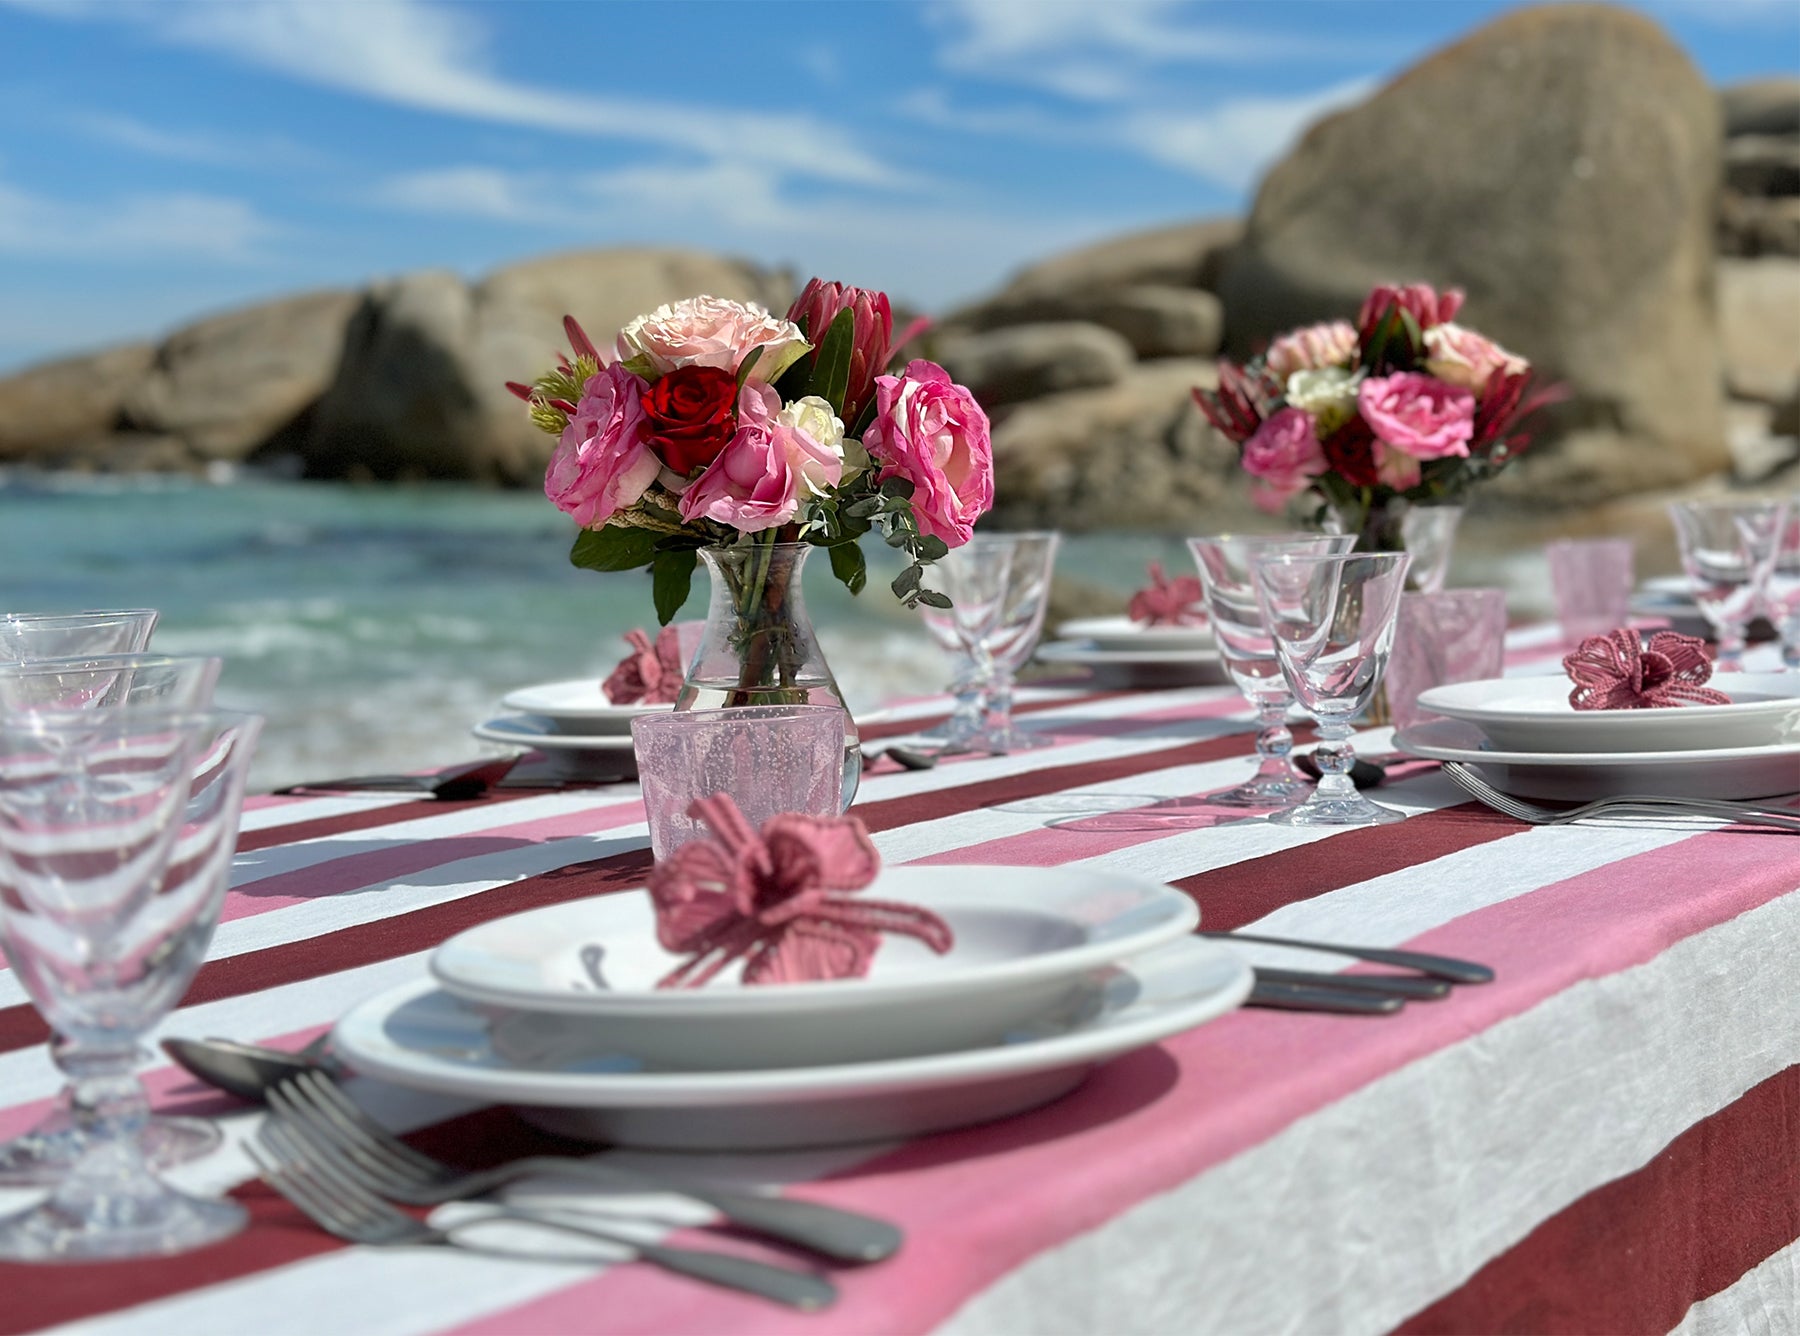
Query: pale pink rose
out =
(1284, 456)
(712, 331)
(1311, 348)
(601, 464)
(765, 471)
(930, 431)
(1465, 358)
(1418, 414)
(1396, 468)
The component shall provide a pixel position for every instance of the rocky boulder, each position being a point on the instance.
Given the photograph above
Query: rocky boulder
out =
(1183, 256)
(1131, 455)
(236, 383)
(1762, 107)
(1004, 366)
(1154, 320)
(1561, 165)
(1759, 327)
(47, 409)
(420, 391)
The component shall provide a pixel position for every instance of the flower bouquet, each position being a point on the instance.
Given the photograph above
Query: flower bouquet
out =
(714, 430)
(1405, 407)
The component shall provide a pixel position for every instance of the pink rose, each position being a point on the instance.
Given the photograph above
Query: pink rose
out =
(711, 331)
(1284, 456)
(1396, 468)
(1463, 357)
(930, 431)
(1312, 348)
(764, 471)
(602, 464)
(1418, 414)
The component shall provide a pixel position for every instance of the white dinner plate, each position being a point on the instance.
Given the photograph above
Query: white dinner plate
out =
(1123, 633)
(1727, 772)
(531, 730)
(1024, 939)
(1533, 714)
(422, 1037)
(578, 706)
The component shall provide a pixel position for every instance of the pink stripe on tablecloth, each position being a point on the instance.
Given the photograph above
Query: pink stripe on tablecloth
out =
(1160, 1117)
(355, 870)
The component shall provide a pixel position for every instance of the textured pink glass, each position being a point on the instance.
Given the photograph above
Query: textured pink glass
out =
(1591, 579)
(769, 758)
(1454, 635)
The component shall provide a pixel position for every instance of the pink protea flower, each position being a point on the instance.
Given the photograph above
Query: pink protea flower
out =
(1284, 456)
(1312, 348)
(818, 304)
(1424, 303)
(1417, 414)
(602, 464)
(930, 431)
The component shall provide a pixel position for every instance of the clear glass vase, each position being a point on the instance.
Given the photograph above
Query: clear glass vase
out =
(1395, 524)
(758, 645)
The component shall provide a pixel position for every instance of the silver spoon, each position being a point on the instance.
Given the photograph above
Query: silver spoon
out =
(247, 1070)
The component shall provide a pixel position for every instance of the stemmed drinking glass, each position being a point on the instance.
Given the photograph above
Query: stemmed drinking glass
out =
(1783, 592)
(999, 587)
(1728, 549)
(1332, 621)
(116, 832)
(1249, 652)
(57, 635)
(130, 682)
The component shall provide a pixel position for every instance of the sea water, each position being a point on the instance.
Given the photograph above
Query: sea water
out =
(375, 625)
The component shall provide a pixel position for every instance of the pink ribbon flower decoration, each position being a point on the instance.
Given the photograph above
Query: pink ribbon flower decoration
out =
(778, 899)
(1617, 672)
(650, 674)
(1168, 602)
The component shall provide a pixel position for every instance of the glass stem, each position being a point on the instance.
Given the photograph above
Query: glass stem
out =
(970, 693)
(1334, 756)
(1274, 741)
(1730, 658)
(997, 700)
(106, 1100)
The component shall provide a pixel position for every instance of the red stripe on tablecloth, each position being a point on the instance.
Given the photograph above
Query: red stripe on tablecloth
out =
(897, 728)
(1720, 1199)
(385, 814)
(421, 929)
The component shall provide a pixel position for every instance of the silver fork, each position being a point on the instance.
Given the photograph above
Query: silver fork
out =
(318, 1106)
(1641, 803)
(340, 1205)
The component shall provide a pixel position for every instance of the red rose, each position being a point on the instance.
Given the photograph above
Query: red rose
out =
(689, 415)
(1350, 450)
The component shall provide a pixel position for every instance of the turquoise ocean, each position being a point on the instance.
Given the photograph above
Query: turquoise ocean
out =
(375, 625)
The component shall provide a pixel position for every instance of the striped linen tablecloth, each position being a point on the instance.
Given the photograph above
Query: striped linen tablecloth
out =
(1607, 1138)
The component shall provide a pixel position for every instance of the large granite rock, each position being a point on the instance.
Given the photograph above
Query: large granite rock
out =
(1766, 165)
(420, 391)
(45, 410)
(1135, 454)
(1154, 319)
(1762, 107)
(1759, 327)
(245, 380)
(1751, 225)
(1562, 166)
(1004, 366)
(1183, 256)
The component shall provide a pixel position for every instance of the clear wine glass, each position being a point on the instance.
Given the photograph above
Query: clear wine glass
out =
(976, 578)
(57, 635)
(116, 834)
(1332, 621)
(1783, 593)
(1015, 635)
(1728, 549)
(1248, 650)
(133, 682)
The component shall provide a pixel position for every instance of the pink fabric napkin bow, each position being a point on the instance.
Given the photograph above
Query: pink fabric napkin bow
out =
(778, 898)
(1617, 671)
(650, 674)
(1168, 602)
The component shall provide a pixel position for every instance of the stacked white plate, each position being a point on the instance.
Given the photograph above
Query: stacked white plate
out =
(1525, 738)
(556, 1012)
(1120, 647)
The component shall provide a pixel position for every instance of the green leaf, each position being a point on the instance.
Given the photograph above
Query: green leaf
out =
(861, 510)
(614, 548)
(930, 548)
(671, 575)
(898, 537)
(748, 365)
(848, 565)
(897, 486)
(831, 369)
(860, 427)
(932, 599)
(907, 581)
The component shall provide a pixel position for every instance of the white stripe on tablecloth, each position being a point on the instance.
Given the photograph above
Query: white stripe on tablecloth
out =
(1764, 1301)
(1355, 1217)
(293, 810)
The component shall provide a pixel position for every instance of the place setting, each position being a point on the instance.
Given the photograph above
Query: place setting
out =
(1163, 639)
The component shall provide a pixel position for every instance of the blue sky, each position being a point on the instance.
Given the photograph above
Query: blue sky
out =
(163, 158)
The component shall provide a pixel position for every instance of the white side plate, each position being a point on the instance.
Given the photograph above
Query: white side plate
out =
(577, 706)
(1123, 633)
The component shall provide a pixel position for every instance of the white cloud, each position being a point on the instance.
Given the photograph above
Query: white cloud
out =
(434, 58)
(198, 146)
(1233, 143)
(210, 227)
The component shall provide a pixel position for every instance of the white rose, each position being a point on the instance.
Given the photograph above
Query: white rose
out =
(1328, 393)
(813, 416)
